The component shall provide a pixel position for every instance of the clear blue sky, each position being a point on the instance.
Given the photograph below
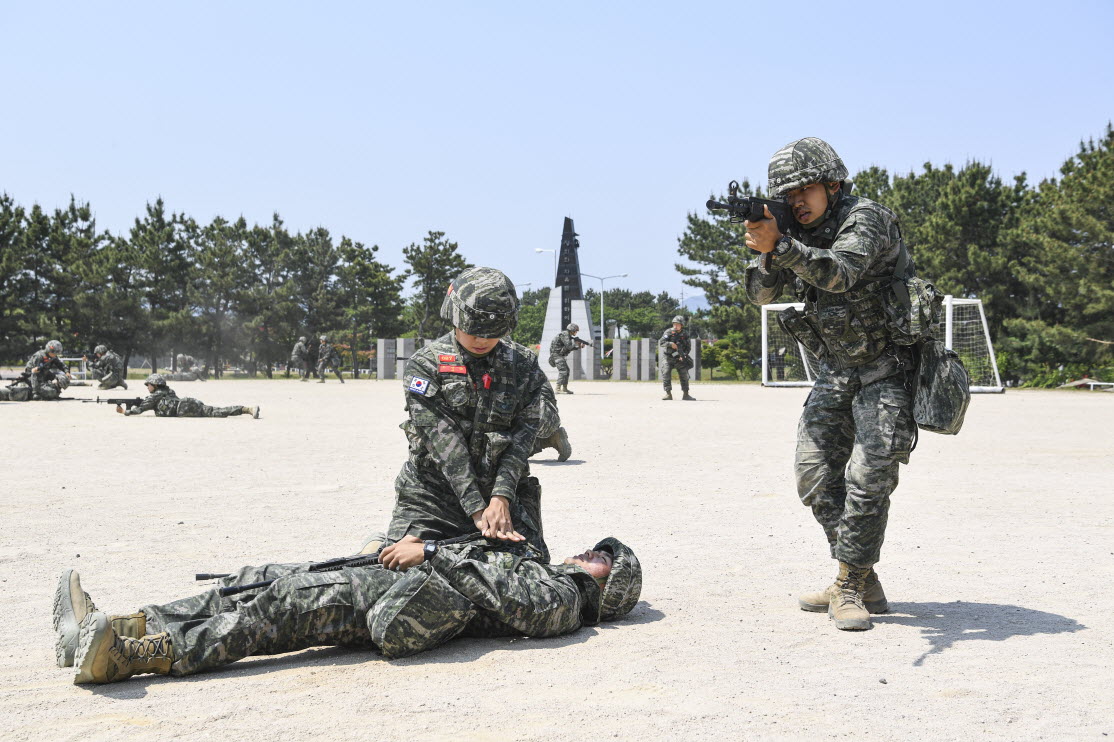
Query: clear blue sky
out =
(493, 121)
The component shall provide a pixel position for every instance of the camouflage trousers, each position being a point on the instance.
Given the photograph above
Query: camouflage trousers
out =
(429, 509)
(190, 407)
(666, 366)
(302, 609)
(562, 364)
(857, 426)
(111, 381)
(322, 368)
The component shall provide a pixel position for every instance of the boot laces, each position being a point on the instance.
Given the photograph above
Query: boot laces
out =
(851, 588)
(150, 646)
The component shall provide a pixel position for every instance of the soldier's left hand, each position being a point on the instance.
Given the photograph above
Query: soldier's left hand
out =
(403, 554)
(763, 233)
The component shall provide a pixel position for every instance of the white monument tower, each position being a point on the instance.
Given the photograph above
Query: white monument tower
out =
(568, 305)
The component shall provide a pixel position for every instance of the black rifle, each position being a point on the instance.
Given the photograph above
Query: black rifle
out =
(331, 565)
(127, 403)
(583, 343)
(750, 208)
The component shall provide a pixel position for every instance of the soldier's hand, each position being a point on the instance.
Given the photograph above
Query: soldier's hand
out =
(495, 521)
(408, 552)
(762, 233)
(673, 346)
(120, 409)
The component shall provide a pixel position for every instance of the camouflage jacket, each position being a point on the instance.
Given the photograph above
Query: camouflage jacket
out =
(164, 402)
(40, 360)
(300, 352)
(109, 363)
(328, 355)
(562, 345)
(477, 589)
(842, 270)
(473, 420)
(670, 336)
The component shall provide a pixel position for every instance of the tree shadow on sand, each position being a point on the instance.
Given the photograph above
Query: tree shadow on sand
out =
(460, 650)
(944, 624)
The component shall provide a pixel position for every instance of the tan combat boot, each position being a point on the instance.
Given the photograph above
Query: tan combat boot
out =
(560, 441)
(846, 607)
(71, 606)
(668, 396)
(253, 411)
(874, 598)
(104, 657)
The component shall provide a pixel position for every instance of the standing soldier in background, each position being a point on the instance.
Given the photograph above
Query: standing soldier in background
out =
(300, 357)
(108, 368)
(840, 257)
(673, 353)
(46, 373)
(327, 357)
(565, 343)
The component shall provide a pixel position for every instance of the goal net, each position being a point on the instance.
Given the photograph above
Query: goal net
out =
(963, 328)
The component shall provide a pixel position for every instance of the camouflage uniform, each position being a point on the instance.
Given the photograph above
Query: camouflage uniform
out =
(109, 370)
(188, 370)
(667, 362)
(300, 357)
(166, 403)
(559, 349)
(857, 424)
(472, 426)
(476, 589)
(51, 379)
(328, 357)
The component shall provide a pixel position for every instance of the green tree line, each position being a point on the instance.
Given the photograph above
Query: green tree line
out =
(223, 291)
(1040, 258)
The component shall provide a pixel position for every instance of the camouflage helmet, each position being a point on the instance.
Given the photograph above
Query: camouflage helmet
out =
(302, 339)
(573, 327)
(155, 380)
(54, 347)
(100, 350)
(624, 584)
(324, 338)
(481, 302)
(679, 320)
(804, 162)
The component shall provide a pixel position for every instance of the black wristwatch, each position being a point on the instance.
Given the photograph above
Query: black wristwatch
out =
(782, 245)
(429, 550)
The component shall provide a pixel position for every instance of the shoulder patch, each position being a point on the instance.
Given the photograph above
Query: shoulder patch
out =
(444, 358)
(418, 385)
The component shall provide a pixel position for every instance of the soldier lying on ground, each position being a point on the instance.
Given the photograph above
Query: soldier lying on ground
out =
(473, 589)
(477, 404)
(108, 368)
(166, 403)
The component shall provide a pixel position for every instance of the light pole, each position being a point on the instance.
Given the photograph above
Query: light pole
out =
(542, 249)
(603, 322)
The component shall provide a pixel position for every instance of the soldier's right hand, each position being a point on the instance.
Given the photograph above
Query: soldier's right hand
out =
(495, 521)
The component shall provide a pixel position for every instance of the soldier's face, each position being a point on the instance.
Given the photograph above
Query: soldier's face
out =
(808, 203)
(595, 563)
(151, 388)
(677, 326)
(475, 345)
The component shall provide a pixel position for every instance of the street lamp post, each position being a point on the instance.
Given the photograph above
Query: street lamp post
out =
(603, 321)
(542, 249)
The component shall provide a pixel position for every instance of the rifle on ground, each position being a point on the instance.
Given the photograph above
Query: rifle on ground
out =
(750, 208)
(331, 565)
(127, 403)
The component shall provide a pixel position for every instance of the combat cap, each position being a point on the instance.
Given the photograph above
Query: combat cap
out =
(804, 162)
(624, 584)
(481, 302)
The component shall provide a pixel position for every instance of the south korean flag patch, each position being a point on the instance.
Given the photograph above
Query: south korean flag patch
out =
(418, 385)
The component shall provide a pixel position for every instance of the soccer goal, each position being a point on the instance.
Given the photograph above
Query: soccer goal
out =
(963, 328)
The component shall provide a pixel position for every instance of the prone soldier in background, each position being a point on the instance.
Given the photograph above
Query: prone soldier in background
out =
(840, 256)
(108, 368)
(299, 358)
(565, 342)
(166, 403)
(673, 353)
(46, 374)
(327, 357)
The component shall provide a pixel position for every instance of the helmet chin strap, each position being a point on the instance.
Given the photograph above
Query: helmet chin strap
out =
(833, 199)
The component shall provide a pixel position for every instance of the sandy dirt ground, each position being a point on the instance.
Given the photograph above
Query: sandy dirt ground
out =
(999, 567)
